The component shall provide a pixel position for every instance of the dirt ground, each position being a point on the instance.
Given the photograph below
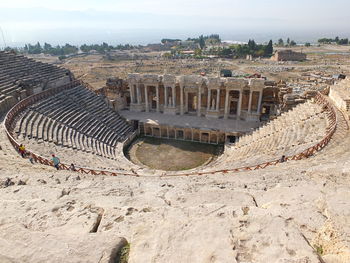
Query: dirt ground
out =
(173, 155)
(328, 59)
(96, 68)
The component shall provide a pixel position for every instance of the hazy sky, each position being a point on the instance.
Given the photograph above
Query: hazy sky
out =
(140, 21)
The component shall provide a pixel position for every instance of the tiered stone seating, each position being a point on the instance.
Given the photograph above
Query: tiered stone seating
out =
(18, 73)
(75, 118)
(289, 134)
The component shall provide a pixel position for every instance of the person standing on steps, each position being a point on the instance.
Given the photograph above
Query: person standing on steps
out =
(56, 162)
(72, 167)
(283, 159)
(22, 150)
(31, 158)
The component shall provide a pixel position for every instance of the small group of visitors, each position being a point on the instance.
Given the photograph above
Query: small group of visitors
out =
(55, 160)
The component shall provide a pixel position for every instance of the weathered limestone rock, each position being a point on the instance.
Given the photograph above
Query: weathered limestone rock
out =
(18, 244)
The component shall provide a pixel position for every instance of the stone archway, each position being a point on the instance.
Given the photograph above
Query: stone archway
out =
(233, 102)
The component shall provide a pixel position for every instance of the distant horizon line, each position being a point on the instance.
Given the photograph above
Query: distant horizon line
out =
(229, 41)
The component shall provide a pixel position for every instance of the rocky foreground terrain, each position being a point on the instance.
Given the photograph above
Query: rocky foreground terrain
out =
(295, 212)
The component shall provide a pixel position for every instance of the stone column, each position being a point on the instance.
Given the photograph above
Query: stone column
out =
(146, 99)
(239, 103)
(218, 100)
(157, 94)
(199, 102)
(209, 99)
(132, 97)
(165, 96)
(174, 96)
(181, 100)
(138, 94)
(250, 101)
(226, 104)
(259, 102)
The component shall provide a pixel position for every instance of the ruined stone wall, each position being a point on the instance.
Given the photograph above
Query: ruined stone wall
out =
(116, 92)
(289, 55)
(340, 95)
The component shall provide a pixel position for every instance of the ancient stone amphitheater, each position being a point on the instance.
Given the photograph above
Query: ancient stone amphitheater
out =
(245, 206)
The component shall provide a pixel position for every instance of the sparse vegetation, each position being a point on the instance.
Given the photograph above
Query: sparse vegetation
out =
(319, 250)
(336, 40)
(256, 50)
(289, 43)
(123, 254)
(50, 50)
(104, 47)
(169, 40)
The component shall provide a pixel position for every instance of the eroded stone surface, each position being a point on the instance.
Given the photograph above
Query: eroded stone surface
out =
(292, 212)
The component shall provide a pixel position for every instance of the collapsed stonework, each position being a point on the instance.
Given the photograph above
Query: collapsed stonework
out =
(339, 93)
(288, 55)
(289, 99)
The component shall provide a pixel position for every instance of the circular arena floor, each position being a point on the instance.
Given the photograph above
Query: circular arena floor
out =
(171, 155)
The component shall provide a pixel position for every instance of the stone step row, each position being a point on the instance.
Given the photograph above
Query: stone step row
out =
(289, 134)
(42, 128)
(75, 118)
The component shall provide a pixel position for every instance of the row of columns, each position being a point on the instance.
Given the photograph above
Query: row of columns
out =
(199, 100)
(201, 133)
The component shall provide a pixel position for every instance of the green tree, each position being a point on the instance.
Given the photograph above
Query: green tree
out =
(201, 42)
(47, 46)
(268, 49)
(280, 42)
(197, 52)
(252, 45)
(344, 41)
(325, 40)
(293, 43)
(226, 52)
